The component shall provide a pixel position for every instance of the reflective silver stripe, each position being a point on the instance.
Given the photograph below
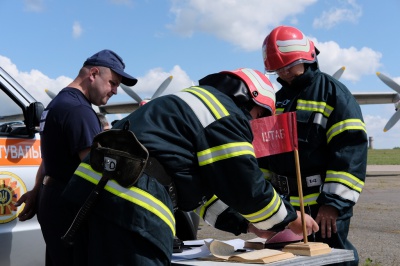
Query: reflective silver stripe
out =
(270, 215)
(203, 114)
(343, 184)
(349, 124)
(203, 104)
(346, 178)
(260, 85)
(342, 190)
(224, 151)
(213, 211)
(314, 106)
(319, 119)
(277, 218)
(310, 199)
(43, 120)
(134, 195)
(216, 107)
(202, 208)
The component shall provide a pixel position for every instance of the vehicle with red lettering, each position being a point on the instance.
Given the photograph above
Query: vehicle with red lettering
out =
(21, 242)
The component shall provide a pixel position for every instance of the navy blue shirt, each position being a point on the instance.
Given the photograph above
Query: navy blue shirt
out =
(68, 126)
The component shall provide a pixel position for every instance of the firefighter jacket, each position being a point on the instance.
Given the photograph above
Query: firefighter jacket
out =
(332, 142)
(204, 142)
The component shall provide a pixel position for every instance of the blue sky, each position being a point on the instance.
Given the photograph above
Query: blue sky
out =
(44, 42)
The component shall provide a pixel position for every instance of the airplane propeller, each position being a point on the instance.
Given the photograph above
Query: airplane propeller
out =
(388, 81)
(131, 93)
(162, 87)
(339, 73)
(158, 92)
(50, 93)
(396, 87)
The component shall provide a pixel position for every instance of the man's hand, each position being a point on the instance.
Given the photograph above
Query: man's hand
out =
(260, 233)
(326, 217)
(297, 227)
(29, 198)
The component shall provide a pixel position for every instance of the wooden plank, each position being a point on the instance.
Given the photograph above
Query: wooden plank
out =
(308, 249)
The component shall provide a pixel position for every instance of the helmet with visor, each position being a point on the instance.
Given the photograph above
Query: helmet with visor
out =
(286, 47)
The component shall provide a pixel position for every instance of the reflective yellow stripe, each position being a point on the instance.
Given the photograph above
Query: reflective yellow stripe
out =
(314, 106)
(343, 184)
(266, 212)
(266, 173)
(349, 124)
(279, 110)
(310, 199)
(133, 194)
(346, 178)
(209, 99)
(200, 210)
(224, 151)
(211, 210)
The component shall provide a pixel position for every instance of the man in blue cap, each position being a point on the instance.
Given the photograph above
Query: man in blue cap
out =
(68, 126)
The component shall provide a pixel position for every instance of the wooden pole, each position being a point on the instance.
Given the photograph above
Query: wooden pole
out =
(300, 191)
(305, 248)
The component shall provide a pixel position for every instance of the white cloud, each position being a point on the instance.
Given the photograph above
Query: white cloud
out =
(238, 22)
(246, 27)
(358, 62)
(351, 12)
(148, 84)
(33, 5)
(375, 125)
(76, 30)
(35, 82)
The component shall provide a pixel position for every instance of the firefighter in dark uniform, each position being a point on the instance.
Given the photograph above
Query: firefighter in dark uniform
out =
(202, 139)
(331, 134)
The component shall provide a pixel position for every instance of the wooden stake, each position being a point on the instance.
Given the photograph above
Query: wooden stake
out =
(304, 248)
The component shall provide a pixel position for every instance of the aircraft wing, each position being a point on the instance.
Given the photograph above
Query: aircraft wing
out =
(361, 97)
(376, 97)
(118, 108)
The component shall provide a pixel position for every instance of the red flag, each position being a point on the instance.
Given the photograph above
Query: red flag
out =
(274, 134)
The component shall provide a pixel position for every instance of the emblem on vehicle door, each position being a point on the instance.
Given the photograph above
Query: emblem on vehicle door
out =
(11, 189)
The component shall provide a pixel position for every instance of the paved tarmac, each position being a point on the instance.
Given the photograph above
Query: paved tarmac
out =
(375, 226)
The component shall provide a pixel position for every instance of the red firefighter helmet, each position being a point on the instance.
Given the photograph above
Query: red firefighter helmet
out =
(260, 88)
(287, 46)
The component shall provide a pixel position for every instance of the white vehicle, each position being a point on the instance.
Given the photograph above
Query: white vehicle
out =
(21, 242)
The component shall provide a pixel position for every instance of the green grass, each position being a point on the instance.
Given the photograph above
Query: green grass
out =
(384, 157)
(369, 262)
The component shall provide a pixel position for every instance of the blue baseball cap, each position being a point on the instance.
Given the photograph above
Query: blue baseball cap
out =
(108, 58)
